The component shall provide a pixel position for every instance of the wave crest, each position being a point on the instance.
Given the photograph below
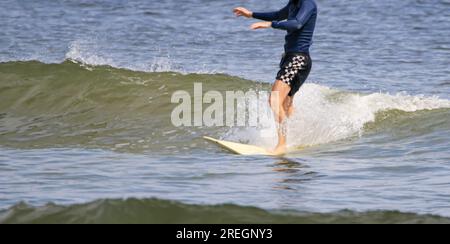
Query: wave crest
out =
(66, 104)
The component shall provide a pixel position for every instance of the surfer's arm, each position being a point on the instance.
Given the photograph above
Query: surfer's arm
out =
(304, 14)
(273, 16)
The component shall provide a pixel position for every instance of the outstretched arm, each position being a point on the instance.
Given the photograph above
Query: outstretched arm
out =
(269, 16)
(302, 17)
(272, 16)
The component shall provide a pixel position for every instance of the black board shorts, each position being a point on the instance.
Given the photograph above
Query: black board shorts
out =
(294, 70)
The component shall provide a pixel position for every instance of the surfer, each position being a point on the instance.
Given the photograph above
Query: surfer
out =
(298, 18)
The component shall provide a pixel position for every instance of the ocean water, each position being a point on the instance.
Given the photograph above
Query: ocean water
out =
(86, 86)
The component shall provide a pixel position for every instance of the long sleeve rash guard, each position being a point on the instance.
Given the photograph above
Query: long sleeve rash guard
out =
(298, 18)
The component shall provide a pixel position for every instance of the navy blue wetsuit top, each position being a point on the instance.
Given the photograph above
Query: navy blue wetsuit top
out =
(298, 18)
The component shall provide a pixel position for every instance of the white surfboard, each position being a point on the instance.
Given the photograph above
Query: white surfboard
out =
(241, 149)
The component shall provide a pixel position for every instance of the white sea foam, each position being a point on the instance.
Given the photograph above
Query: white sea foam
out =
(88, 53)
(324, 115)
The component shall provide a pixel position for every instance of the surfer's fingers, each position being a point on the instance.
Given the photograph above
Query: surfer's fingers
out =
(238, 11)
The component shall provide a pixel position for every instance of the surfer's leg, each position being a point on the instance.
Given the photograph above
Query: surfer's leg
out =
(294, 69)
(289, 106)
(280, 91)
(295, 74)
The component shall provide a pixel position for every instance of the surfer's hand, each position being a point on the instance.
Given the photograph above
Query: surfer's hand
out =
(240, 11)
(261, 25)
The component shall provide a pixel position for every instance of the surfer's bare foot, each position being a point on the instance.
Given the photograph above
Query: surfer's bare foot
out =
(279, 150)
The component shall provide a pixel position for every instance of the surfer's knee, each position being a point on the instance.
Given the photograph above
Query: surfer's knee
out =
(278, 96)
(275, 95)
(288, 103)
(273, 100)
(275, 103)
(286, 107)
(274, 106)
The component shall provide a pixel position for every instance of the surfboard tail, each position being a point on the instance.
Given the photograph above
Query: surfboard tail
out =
(241, 149)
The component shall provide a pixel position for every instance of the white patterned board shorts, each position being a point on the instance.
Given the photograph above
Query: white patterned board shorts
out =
(294, 70)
